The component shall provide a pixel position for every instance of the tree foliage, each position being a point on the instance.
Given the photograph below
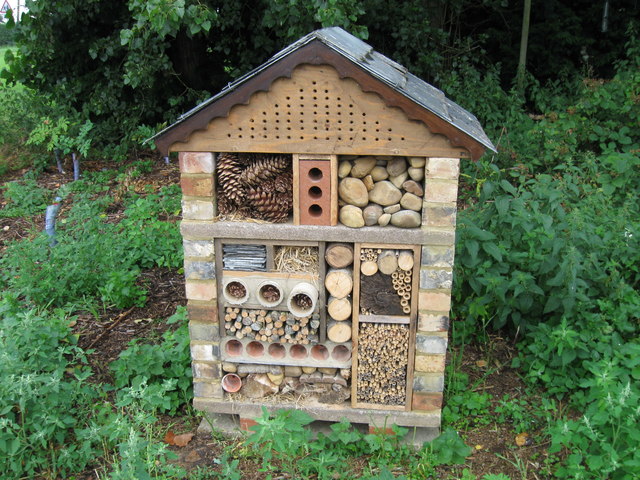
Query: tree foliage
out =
(123, 64)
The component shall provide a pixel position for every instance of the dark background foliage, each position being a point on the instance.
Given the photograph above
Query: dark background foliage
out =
(123, 64)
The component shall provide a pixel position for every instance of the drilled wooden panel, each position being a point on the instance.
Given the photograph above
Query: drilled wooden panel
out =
(315, 111)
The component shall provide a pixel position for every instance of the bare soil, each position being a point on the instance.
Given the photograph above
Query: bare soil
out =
(494, 445)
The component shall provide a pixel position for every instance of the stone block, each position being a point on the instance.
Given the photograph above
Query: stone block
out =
(197, 209)
(205, 352)
(207, 332)
(439, 215)
(428, 382)
(199, 270)
(197, 185)
(203, 290)
(207, 389)
(198, 248)
(445, 168)
(432, 279)
(438, 301)
(196, 162)
(206, 370)
(440, 191)
(428, 322)
(438, 256)
(430, 363)
(426, 401)
(430, 344)
(203, 312)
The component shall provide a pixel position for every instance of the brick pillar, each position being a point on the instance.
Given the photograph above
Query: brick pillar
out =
(436, 276)
(198, 205)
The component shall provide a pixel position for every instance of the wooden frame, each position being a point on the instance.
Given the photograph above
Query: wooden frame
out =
(270, 273)
(358, 318)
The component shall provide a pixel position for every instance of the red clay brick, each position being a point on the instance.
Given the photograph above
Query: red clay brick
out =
(197, 186)
(196, 162)
(247, 423)
(426, 401)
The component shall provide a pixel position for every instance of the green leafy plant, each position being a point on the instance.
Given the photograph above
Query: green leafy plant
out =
(163, 367)
(45, 398)
(24, 198)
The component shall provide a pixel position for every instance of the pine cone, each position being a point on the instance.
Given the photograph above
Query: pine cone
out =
(270, 206)
(229, 170)
(264, 167)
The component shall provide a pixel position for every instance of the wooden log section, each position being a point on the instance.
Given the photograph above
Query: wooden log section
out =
(339, 332)
(368, 268)
(339, 282)
(405, 260)
(339, 255)
(383, 359)
(387, 262)
(339, 308)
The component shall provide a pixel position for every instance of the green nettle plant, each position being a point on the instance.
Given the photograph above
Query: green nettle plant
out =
(45, 399)
(24, 198)
(165, 366)
(95, 259)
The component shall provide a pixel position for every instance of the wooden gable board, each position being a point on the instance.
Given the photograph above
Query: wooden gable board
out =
(177, 137)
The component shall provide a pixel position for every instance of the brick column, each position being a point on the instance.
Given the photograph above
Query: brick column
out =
(436, 275)
(198, 205)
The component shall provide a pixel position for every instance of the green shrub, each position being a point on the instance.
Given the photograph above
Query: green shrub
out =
(94, 258)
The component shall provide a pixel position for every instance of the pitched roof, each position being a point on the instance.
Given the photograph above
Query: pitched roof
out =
(334, 45)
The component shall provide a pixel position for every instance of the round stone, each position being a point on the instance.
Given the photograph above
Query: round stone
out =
(384, 219)
(368, 182)
(385, 193)
(362, 166)
(351, 216)
(400, 179)
(344, 169)
(417, 162)
(379, 173)
(371, 214)
(411, 202)
(391, 209)
(353, 191)
(406, 219)
(396, 166)
(292, 371)
(414, 187)
(416, 174)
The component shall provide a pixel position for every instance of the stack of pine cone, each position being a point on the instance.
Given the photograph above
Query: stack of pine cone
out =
(256, 186)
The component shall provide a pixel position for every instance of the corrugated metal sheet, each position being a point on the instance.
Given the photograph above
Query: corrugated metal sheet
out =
(378, 66)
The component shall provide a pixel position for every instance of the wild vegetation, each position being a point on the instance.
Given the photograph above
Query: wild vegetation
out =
(548, 253)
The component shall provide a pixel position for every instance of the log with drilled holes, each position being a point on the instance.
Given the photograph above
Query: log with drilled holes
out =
(383, 358)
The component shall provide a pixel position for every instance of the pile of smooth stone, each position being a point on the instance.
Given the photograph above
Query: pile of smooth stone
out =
(381, 191)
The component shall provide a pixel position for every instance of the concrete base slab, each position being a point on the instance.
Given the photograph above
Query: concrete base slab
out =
(229, 424)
